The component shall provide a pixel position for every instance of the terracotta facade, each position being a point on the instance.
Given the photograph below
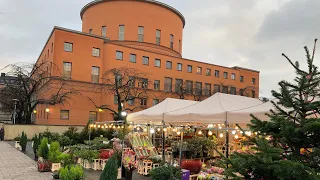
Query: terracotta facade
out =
(100, 30)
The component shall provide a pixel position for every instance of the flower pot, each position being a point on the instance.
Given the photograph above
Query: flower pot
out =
(128, 175)
(44, 166)
(55, 167)
(96, 164)
(119, 173)
(87, 164)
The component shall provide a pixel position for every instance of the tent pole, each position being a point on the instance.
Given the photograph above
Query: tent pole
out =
(181, 141)
(163, 138)
(227, 136)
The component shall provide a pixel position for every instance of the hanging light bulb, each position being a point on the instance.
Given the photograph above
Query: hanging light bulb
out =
(98, 126)
(158, 129)
(236, 127)
(241, 132)
(220, 127)
(256, 133)
(210, 133)
(248, 133)
(102, 127)
(174, 129)
(164, 129)
(138, 128)
(114, 127)
(210, 126)
(145, 130)
(221, 135)
(152, 131)
(91, 125)
(122, 127)
(94, 126)
(234, 132)
(110, 126)
(200, 132)
(236, 136)
(178, 133)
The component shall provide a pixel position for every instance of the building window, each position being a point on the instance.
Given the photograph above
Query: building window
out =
(207, 89)
(225, 75)
(157, 63)
(208, 72)
(241, 92)
(133, 58)
(216, 73)
(131, 100)
(233, 90)
(233, 76)
(169, 65)
(171, 41)
(145, 60)
(216, 88)
(179, 46)
(51, 47)
(96, 52)
(121, 32)
(168, 84)
(199, 70)
(189, 87)
(253, 93)
(143, 102)
(48, 53)
(144, 83)
(140, 33)
(155, 102)
(198, 90)
(253, 80)
(118, 79)
(179, 85)
(179, 66)
(67, 69)
(241, 79)
(90, 31)
(104, 31)
(158, 37)
(156, 85)
(131, 82)
(115, 99)
(189, 67)
(68, 47)
(95, 74)
(119, 55)
(64, 114)
(93, 116)
(225, 89)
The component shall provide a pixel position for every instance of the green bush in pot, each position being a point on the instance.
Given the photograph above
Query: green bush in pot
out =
(23, 141)
(54, 152)
(166, 172)
(71, 172)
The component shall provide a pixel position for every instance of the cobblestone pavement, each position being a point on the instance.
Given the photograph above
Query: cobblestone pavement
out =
(14, 165)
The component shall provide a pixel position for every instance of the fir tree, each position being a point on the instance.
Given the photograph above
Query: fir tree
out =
(110, 171)
(292, 151)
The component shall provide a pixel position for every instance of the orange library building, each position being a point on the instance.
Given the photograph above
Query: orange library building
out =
(140, 34)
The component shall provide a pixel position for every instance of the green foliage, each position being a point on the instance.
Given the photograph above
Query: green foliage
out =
(165, 172)
(292, 128)
(110, 171)
(51, 136)
(36, 142)
(87, 154)
(43, 150)
(64, 141)
(73, 135)
(94, 133)
(66, 159)
(54, 152)
(23, 141)
(196, 145)
(71, 172)
(17, 138)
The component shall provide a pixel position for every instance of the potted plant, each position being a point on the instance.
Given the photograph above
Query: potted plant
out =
(166, 172)
(17, 142)
(23, 141)
(54, 153)
(43, 153)
(129, 163)
(36, 142)
(71, 172)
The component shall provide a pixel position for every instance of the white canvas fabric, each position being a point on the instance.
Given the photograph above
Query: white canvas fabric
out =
(215, 109)
(154, 115)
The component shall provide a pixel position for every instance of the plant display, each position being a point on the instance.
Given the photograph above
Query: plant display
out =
(192, 164)
(71, 172)
(110, 171)
(73, 135)
(54, 152)
(106, 154)
(66, 159)
(287, 146)
(156, 159)
(129, 160)
(23, 141)
(87, 154)
(43, 150)
(36, 142)
(64, 141)
(165, 172)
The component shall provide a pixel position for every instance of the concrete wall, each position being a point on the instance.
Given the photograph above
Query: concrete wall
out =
(11, 131)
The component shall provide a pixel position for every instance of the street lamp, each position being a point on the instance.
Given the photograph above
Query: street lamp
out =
(15, 110)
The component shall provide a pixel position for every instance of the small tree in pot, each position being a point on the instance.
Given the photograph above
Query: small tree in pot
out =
(43, 153)
(23, 141)
(36, 142)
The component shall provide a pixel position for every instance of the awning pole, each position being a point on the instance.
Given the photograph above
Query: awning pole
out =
(227, 136)
(181, 141)
(163, 138)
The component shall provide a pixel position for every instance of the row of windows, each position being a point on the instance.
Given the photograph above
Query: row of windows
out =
(132, 101)
(65, 115)
(140, 35)
(157, 63)
(68, 47)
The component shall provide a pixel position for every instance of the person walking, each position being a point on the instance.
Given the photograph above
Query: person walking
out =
(2, 133)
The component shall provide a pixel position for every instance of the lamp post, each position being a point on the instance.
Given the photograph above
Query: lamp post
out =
(15, 110)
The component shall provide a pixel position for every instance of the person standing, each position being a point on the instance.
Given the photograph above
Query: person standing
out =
(2, 133)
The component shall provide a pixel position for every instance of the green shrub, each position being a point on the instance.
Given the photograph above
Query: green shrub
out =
(36, 142)
(66, 159)
(54, 152)
(88, 154)
(71, 172)
(43, 150)
(110, 171)
(166, 172)
(23, 141)
(64, 141)
(17, 138)
(73, 135)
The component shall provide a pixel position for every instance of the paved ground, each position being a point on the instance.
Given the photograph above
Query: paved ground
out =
(89, 174)
(15, 165)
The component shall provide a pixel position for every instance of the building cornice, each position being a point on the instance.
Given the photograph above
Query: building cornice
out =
(90, 4)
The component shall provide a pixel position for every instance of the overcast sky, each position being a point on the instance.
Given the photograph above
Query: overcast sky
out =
(247, 33)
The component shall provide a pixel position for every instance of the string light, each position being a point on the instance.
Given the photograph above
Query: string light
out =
(178, 133)
(210, 133)
(138, 128)
(122, 127)
(164, 129)
(114, 127)
(145, 130)
(234, 132)
(248, 133)
(256, 133)
(210, 126)
(220, 127)
(98, 126)
(158, 129)
(94, 126)
(152, 131)
(102, 127)
(221, 135)
(91, 125)
(174, 129)
(130, 126)
(110, 126)
(200, 132)
(236, 127)
(236, 136)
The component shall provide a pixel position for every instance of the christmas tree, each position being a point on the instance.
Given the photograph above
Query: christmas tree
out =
(287, 146)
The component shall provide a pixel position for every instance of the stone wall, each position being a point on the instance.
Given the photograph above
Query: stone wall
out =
(11, 131)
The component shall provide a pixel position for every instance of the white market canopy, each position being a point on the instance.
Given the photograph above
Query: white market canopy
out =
(155, 114)
(215, 109)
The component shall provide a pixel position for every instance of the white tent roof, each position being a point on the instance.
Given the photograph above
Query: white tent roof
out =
(212, 110)
(154, 115)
